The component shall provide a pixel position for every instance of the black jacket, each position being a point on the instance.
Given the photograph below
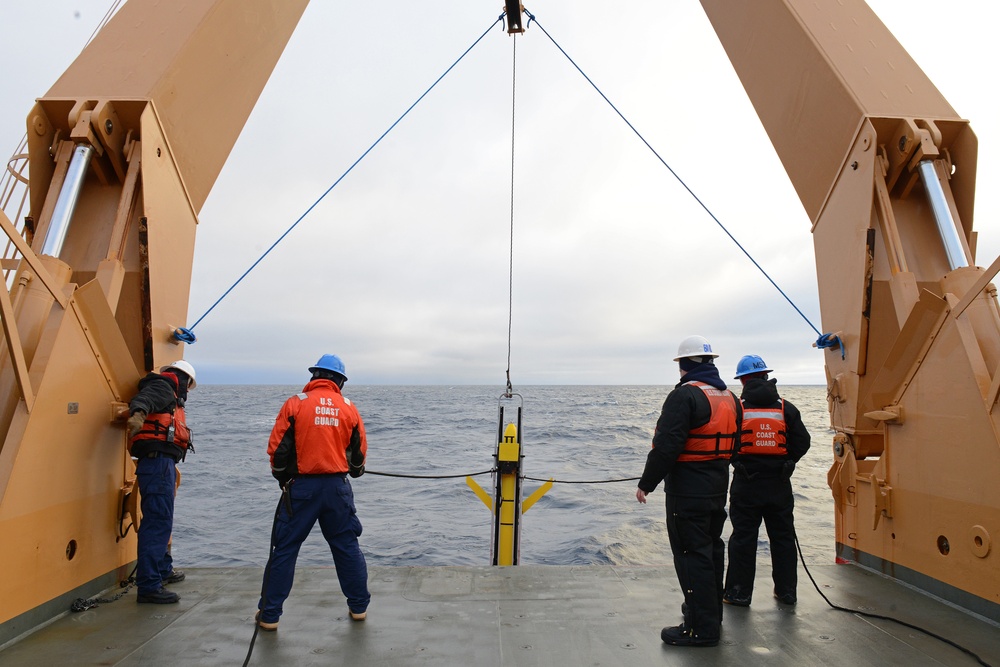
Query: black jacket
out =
(761, 393)
(157, 393)
(686, 408)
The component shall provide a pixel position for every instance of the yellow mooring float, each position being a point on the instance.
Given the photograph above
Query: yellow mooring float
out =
(506, 505)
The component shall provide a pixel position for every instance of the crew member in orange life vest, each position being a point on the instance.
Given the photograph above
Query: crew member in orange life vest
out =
(773, 439)
(694, 439)
(318, 440)
(159, 438)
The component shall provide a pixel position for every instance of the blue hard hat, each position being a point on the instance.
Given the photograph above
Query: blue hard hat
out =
(750, 364)
(329, 362)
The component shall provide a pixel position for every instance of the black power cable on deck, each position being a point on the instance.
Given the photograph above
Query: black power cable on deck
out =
(866, 614)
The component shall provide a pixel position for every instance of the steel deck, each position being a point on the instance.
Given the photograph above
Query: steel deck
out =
(515, 616)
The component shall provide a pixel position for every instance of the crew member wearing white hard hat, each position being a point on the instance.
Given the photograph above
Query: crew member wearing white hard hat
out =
(158, 438)
(695, 436)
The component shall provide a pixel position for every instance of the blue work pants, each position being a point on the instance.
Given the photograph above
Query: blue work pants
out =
(330, 500)
(157, 478)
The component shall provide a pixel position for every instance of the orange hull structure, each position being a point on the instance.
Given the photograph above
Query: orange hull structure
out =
(886, 170)
(123, 151)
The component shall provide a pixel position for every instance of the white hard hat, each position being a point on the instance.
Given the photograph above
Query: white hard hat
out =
(185, 368)
(694, 346)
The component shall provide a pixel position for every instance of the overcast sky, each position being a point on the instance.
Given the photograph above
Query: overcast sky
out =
(403, 269)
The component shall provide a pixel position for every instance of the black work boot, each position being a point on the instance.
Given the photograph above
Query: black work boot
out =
(737, 596)
(681, 635)
(162, 596)
(175, 577)
(785, 598)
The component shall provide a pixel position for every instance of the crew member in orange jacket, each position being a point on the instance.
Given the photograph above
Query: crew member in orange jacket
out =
(159, 438)
(318, 440)
(694, 439)
(773, 439)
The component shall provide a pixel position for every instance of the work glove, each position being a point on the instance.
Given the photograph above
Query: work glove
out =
(355, 457)
(355, 462)
(788, 469)
(135, 422)
(282, 476)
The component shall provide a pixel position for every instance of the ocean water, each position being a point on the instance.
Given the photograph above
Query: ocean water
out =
(227, 498)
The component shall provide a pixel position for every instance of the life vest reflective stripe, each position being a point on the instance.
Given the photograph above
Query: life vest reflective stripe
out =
(763, 431)
(717, 438)
(157, 427)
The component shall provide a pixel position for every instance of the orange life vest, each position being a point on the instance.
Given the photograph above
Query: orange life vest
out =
(168, 427)
(763, 431)
(717, 438)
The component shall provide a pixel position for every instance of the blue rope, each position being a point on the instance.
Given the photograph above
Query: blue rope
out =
(531, 18)
(830, 340)
(187, 335)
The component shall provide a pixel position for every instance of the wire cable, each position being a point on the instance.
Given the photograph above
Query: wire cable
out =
(571, 481)
(104, 21)
(510, 271)
(493, 470)
(397, 474)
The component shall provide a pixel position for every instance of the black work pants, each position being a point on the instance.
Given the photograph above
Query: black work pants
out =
(694, 526)
(750, 502)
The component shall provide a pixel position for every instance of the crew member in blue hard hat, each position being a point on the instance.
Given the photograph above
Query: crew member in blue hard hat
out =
(694, 439)
(772, 440)
(158, 438)
(318, 440)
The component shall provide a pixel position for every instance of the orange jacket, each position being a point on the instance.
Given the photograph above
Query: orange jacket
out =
(322, 422)
(717, 438)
